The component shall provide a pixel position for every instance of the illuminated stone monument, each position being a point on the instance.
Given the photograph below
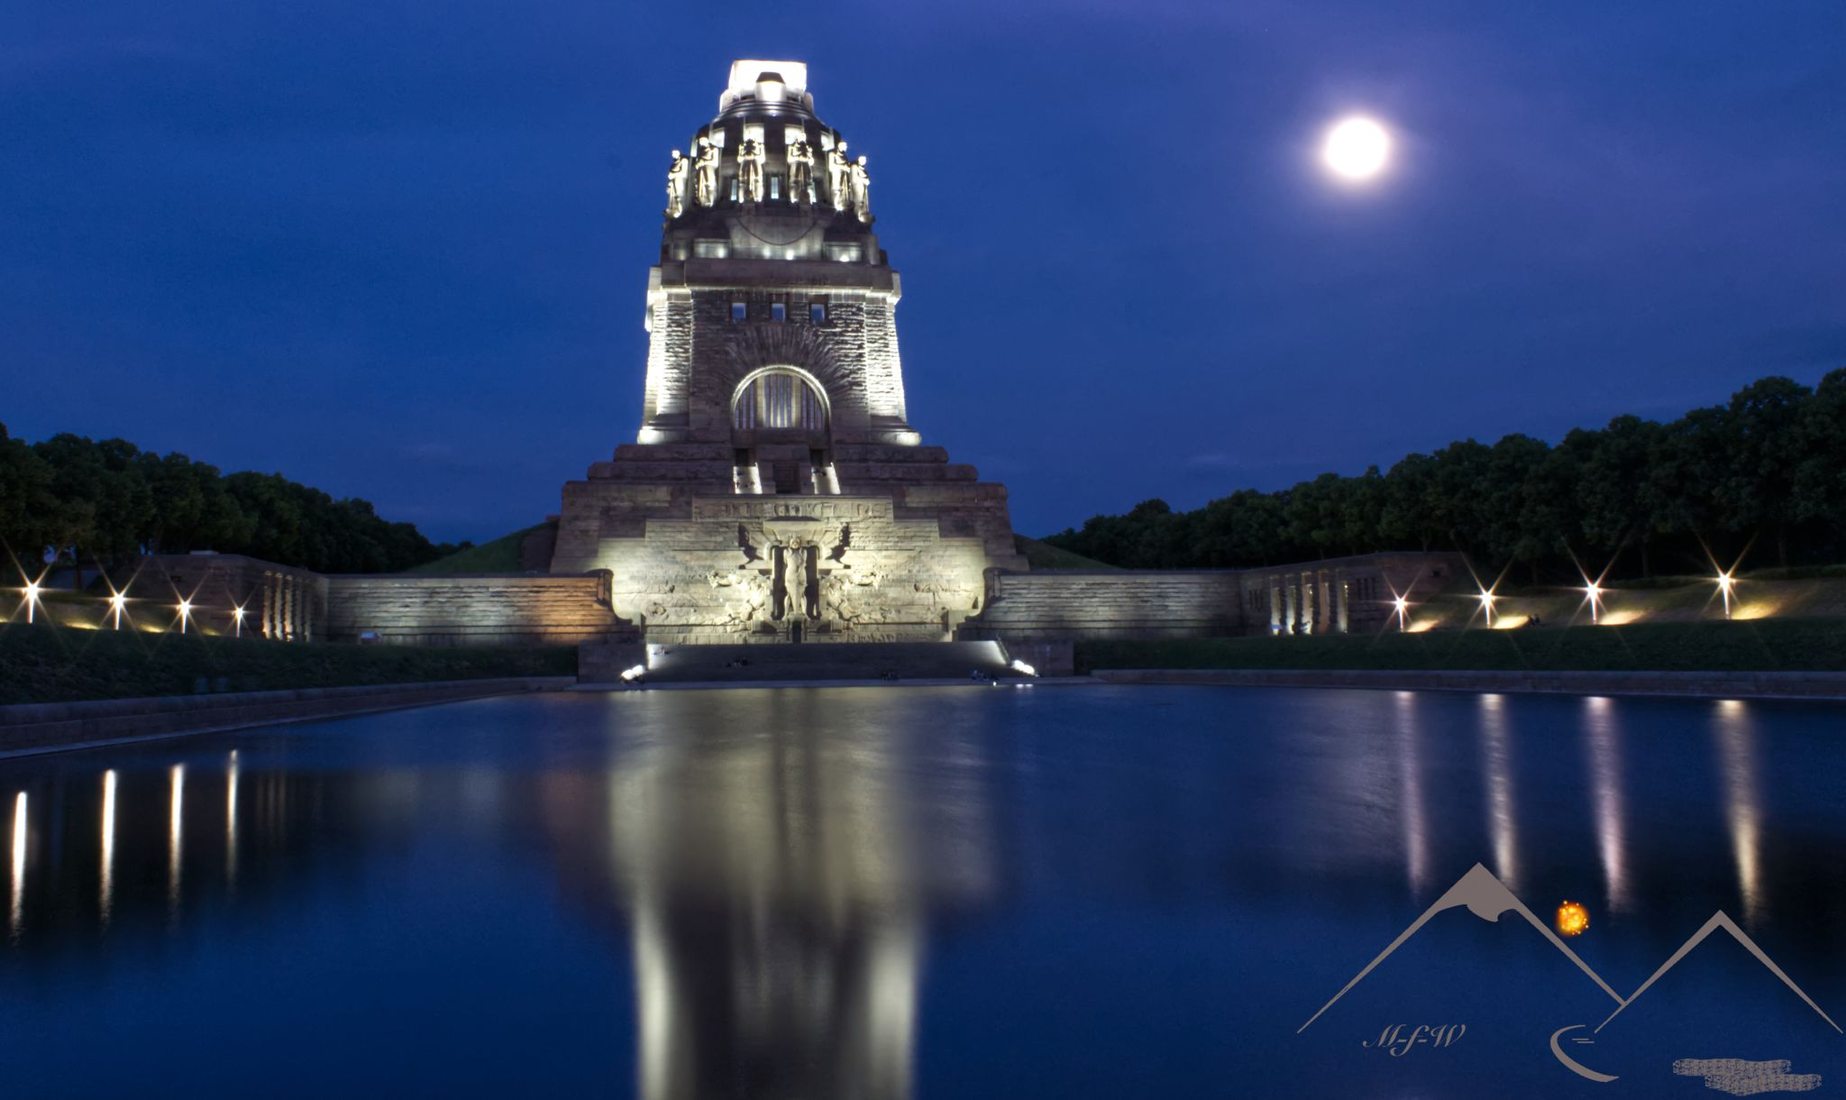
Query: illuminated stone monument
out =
(777, 491)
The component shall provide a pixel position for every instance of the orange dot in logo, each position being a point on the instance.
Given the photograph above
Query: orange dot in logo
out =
(1573, 918)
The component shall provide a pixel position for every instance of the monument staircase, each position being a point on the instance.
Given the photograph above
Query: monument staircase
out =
(870, 661)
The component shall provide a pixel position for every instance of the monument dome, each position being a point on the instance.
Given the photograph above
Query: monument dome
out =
(767, 179)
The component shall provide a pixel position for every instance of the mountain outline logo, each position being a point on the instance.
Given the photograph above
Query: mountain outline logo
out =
(1482, 893)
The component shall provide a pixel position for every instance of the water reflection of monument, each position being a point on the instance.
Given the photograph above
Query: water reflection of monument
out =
(778, 882)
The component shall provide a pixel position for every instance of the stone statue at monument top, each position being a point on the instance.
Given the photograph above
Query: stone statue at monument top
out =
(708, 173)
(677, 178)
(750, 157)
(861, 190)
(801, 172)
(838, 175)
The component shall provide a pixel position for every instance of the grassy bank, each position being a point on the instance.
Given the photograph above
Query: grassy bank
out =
(40, 664)
(1043, 555)
(1759, 645)
(499, 556)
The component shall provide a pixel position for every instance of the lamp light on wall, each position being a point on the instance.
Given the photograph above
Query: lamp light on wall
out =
(1487, 598)
(118, 603)
(1726, 582)
(237, 621)
(185, 614)
(32, 591)
(1593, 592)
(1401, 605)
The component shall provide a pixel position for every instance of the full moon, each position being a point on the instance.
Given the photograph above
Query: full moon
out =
(1356, 148)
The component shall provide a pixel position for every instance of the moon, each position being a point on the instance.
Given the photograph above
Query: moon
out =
(1356, 148)
(1572, 1064)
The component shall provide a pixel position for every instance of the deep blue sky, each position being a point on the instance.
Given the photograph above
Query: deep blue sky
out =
(398, 249)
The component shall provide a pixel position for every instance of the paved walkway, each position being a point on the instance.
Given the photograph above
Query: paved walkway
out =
(55, 727)
(1710, 685)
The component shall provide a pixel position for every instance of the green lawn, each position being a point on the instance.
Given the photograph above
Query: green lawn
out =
(1043, 555)
(499, 556)
(41, 664)
(1763, 644)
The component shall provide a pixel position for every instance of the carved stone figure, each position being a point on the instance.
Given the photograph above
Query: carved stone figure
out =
(708, 173)
(839, 174)
(677, 178)
(861, 191)
(801, 173)
(748, 546)
(810, 591)
(778, 584)
(750, 159)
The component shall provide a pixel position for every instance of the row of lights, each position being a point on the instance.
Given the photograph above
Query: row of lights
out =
(118, 606)
(1593, 592)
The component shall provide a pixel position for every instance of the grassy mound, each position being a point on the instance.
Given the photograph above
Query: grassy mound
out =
(1756, 646)
(46, 664)
(499, 556)
(1043, 555)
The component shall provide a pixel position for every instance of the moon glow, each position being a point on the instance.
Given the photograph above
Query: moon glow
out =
(1356, 148)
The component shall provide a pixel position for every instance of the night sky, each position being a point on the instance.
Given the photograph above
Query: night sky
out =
(399, 249)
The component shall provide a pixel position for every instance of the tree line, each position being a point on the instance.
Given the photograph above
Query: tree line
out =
(1763, 474)
(101, 503)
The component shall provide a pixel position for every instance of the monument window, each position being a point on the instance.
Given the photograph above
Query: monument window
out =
(740, 311)
(775, 187)
(779, 400)
(817, 312)
(778, 311)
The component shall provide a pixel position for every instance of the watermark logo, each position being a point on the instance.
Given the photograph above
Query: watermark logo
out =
(1481, 893)
(1398, 1040)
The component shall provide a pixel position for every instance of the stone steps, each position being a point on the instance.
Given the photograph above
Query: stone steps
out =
(825, 661)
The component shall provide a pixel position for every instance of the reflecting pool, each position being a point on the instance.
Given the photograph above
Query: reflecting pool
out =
(938, 892)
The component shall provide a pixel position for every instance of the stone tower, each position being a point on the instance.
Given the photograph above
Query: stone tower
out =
(776, 491)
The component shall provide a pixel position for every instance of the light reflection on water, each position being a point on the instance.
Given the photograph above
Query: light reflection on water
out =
(1736, 738)
(1604, 755)
(1415, 814)
(862, 892)
(1502, 819)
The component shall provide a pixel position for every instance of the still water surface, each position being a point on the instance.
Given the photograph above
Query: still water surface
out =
(934, 892)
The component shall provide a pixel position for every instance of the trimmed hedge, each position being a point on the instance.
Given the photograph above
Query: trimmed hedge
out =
(49, 664)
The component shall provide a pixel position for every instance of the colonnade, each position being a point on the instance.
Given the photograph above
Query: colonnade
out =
(288, 607)
(1314, 601)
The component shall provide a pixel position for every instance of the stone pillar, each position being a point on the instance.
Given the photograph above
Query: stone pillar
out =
(1289, 605)
(1275, 606)
(1323, 583)
(263, 608)
(288, 608)
(1344, 612)
(1308, 596)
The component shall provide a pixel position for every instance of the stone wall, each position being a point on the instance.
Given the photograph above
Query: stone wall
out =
(471, 610)
(1062, 605)
(234, 594)
(1335, 595)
